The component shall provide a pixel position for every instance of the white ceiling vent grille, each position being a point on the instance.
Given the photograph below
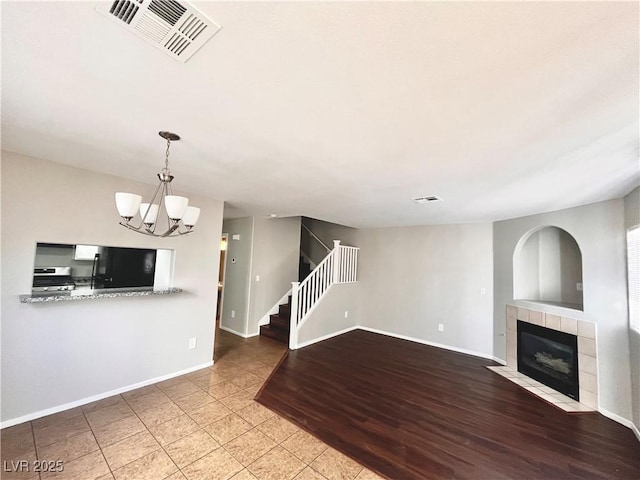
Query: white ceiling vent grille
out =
(426, 199)
(177, 28)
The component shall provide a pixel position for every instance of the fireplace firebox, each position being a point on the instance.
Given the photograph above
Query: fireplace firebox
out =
(549, 356)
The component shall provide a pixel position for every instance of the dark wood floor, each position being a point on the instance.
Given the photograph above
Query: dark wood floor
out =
(411, 411)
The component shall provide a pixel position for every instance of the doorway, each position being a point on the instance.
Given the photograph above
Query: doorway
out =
(221, 273)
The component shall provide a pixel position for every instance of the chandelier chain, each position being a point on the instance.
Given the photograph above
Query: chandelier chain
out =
(166, 158)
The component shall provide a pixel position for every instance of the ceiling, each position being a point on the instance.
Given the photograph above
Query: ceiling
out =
(341, 111)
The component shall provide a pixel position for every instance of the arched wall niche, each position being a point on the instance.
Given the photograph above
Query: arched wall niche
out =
(547, 268)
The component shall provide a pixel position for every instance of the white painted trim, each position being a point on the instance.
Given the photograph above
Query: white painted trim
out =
(621, 421)
(95, 398)
(326, 337)
(235, 332)
(283, 301)
(432, 344)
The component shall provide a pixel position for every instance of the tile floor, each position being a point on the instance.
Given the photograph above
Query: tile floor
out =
(552, 396)
(203, 425)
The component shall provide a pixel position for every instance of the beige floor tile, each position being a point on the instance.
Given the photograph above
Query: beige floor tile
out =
(70, 449)
(217, 465)
(209, 413)
(245, 380)
(238, 400)
(190, 448)
(244, 475)
(176, 476)
(170, 382)
(309, 474)
(206, 382)
(130, 449)
(19, 467)
(89, 467)
(228, 428)
(105, 402)
(60, 431)
(254, 389)
(263, 371)
(255, 414)
(276, 464)
(277, 428)
(366, 474)
(198, 373)
(109, 414)
(160, 414)
(144, 402)
(174, 429)
(223, 389)
(119, 430)
(180, 389)
(336, 466)
(139, 392)
(108, 476)
(153, 466)
(17, 440)
(194, 400)
(304, 446)
(249, 446)
(57, 418)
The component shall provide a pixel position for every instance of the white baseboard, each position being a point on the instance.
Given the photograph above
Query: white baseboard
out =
(326, 337)
(433, 344)
(621, 421)
(95, 398)
(243, 335)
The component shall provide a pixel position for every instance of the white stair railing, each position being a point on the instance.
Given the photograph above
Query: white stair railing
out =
(339, 266)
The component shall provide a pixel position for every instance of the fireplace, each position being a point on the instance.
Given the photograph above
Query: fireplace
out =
(549, 356)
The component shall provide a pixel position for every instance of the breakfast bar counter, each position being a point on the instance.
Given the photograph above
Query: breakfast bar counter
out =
(89, 294)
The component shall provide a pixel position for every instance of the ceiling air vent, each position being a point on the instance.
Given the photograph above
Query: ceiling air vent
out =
(426, 199)
(177, 28)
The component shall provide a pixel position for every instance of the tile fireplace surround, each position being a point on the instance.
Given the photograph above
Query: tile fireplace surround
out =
(587, 358)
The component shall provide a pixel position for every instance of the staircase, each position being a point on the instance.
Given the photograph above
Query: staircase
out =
(278, 327)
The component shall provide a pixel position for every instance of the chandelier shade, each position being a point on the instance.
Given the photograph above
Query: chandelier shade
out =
(176, 208)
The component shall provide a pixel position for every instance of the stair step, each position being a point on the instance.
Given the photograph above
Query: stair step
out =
(285, 310)
(279, 322)
(275, 334)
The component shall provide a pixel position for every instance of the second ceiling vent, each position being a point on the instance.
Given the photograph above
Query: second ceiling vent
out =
(177, 28)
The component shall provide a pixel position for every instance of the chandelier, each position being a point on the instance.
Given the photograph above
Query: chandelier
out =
(176, 208)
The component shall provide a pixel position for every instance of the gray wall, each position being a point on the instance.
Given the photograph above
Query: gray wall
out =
(327, 232)
(599, 231)
(276, 253)
(57, 354)
(329, 315)
(235, 305)
(632, 218)
(413, 278)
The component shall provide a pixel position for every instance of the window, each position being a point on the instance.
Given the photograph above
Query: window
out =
(633, 270)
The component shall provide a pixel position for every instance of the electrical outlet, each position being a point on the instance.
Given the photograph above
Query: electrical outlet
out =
(579, 286)
(441, 327)
(192, 343)
(257, 278)
(483, 291)
(346, 314)
(233, 314)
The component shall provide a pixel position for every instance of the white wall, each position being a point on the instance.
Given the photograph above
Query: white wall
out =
(275, 258)
(55, 354)
(413, 278)
(632, 218)
(599, 231)
(328, 318)
(235, 305)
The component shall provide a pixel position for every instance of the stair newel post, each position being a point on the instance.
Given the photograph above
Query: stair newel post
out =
(336, 262)
(293, 326)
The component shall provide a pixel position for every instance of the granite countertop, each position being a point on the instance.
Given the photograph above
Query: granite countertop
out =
(88, 294)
